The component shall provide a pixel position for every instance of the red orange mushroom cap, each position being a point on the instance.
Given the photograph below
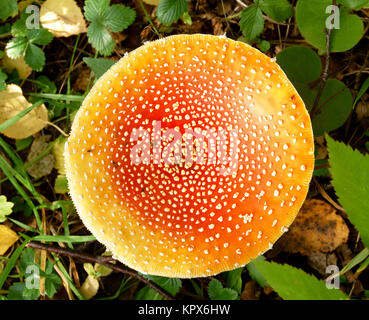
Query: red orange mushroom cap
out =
(184, 217)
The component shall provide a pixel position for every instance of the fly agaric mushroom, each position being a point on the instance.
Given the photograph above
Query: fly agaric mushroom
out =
(190, 219)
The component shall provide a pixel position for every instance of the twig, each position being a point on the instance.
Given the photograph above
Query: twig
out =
(102, 261)
(148, 18)
(325, 73)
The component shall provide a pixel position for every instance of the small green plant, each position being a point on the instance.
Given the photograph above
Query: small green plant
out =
(25, 42)
(105, 19)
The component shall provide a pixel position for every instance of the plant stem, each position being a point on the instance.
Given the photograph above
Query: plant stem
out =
(100, 260)
(148, 18)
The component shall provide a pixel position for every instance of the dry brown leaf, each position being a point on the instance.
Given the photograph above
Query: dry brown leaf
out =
(24, 4)
(45, 165)
(13, 102)
(317, 227)
(7, 238)
(152, 2)
(24, 70)
(62, 18)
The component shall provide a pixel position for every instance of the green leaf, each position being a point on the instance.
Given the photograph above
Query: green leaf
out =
(22, 144)
(27, 259)
(354, 4)
(170, 285)
(9, 8)
(255, 273)
(3, 77)
(169, 11)
(99, 65)
(100, 38)
(19, 28)
(301, 64)
(147, 293)
(39, 36)
(217, 292)
(350, 179)
(94, 9)
(15, 47)
(294, 284)
(44, 84)
(52, 280)
(35, 57)
(264, 45)
(305, 93)
(118, 17)
(252, 23)
(5, 208)
(278, 10)
(311, 20)
(234, 279)
(18, 291)
(61, 184)
(361, 256)
(334, 105)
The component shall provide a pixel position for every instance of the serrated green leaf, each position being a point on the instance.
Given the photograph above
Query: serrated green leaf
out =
(99, 65)
(94, 9)
(294, 284)
(311, 19)
(170, 285)
(217, 292)
(100, 38)
(15, 47)
(9, 8)
(169, 11)
(18, 291)
(118, 17)
(334, 105)
(19, 28)
(5, 208)
(147, 293)
(39, 36)
(252, 23)
(301, 64)
(350, 179)
(278, 10)
(234, 279)
(27, 259)
(255, 273)
(35, 57)
(354, 4)
(52, 279)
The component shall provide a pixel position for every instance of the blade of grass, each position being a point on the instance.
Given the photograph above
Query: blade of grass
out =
(361, 256)
(24, 226)
(72, 239)
(11, 263)
(20, 115)
(9, 172)
(55, 96)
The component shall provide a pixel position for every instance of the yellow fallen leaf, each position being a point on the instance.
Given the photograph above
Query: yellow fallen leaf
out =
(7, 238)
(152, 2)
(24, 70)
(89, 287)
(58, 152)
(13, 102)
(62, 18)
